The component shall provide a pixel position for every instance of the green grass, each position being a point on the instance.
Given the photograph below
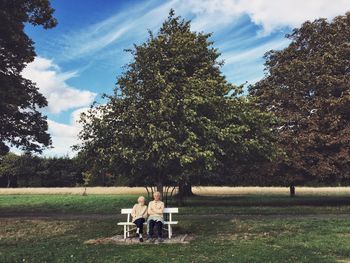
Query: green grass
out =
(111, 204)
(275, 237)
(65, 203)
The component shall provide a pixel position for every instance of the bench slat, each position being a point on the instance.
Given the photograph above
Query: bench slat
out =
(126, 211)
(171, 223)
(171, 210)
(130, 223)
(167, 210)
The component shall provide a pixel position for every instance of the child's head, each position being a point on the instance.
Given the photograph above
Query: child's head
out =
(141, 200)
(156, 196)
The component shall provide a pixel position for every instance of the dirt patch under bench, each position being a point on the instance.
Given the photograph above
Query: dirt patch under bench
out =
(119, 240)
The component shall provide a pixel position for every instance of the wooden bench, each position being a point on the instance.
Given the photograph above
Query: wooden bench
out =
(167, 223)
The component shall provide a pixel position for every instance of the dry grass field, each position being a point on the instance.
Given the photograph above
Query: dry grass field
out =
(199, 190)
(74, 191)
(252, 190)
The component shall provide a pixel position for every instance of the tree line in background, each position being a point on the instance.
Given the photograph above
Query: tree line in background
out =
(28, 170)
(175, 121)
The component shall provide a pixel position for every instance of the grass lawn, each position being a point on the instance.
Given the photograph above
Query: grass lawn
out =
(247, 228)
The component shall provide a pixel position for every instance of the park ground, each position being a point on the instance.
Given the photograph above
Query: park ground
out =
(229, 225)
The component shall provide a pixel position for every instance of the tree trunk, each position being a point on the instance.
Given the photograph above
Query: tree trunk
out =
(292, 190)
(8, 181)
(160, 189)
(185, 190)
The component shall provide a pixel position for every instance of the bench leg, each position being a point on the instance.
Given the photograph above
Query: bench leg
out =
(169, 231)
(128, 231)
(124, 231)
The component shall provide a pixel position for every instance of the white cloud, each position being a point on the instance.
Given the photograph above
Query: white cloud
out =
(276, 14)
(255, 53)
(52, 84)
(65, 135)
(105, 39)
(211, 14)
(75, 116)
(270, 14)
(131, 25)
(68, 131)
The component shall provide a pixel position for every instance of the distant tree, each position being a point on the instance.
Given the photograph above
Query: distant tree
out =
(8, 170)
(307, 85)
(26, 170)
(98, 169)
(21, 124)
(174, 120)
(86, 181)
(60, 172)
(20, 170)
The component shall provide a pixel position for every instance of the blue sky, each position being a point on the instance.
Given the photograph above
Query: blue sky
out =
(82, 57)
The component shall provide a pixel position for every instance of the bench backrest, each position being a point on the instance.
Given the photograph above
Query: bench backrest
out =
(167, 210)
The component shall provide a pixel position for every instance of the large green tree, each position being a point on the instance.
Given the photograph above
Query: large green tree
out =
(21, 124)
(308, 86)
(174, 119)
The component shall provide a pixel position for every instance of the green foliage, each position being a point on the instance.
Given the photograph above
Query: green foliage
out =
(174, 119)
(21, 124)
(26, 172)
(32, 171)
(87, 178)
(59, 172)
(8, 168)
(308, 87)
(18, 170)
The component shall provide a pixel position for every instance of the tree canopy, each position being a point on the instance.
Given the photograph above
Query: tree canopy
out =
(307, 85)
(21, 124)
(173, 118)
